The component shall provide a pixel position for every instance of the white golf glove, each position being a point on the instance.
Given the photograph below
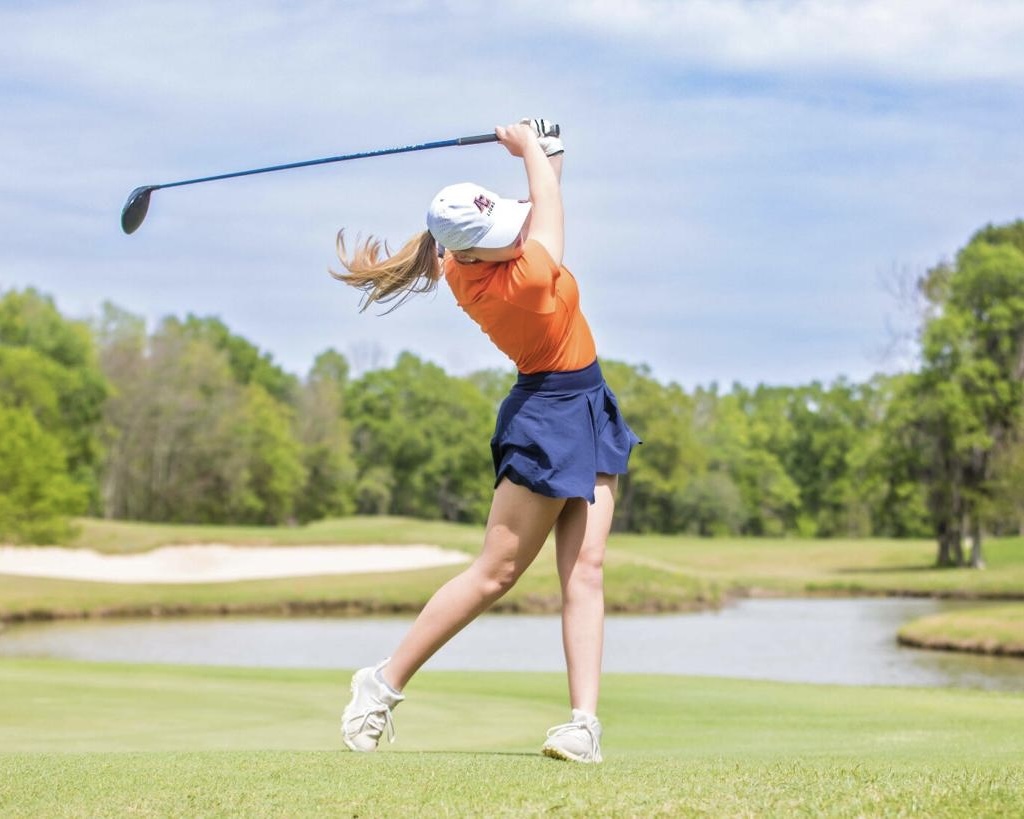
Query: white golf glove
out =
(542, 127)
(547, 135)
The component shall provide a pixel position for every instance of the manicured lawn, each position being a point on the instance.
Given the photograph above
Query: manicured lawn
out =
(94, 739)
(629, 586)
(794, 566)
(989, 630)
(643, 573)
(787, 565)
(115, 536)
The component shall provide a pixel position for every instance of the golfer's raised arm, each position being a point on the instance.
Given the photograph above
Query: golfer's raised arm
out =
(546, 218)
(556, 164)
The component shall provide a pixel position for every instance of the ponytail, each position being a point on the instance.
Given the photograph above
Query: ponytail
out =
(415, 268)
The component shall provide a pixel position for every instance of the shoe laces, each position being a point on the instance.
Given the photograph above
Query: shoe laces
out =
(383, 713)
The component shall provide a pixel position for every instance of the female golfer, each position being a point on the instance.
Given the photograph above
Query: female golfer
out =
(559, 442)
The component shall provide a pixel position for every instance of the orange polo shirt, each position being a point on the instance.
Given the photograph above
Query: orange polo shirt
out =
(529, 307)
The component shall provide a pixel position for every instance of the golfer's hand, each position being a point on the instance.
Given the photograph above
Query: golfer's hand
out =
(547, 135)
(517, 138)
(542, 127)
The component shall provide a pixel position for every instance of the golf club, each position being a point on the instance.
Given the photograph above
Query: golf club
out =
(134, 211)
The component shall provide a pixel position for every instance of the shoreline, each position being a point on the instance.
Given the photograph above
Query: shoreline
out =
(531, 604)
(988, 648)
(527, 605)
(328, 577)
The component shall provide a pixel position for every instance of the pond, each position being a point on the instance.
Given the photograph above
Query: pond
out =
(846, 641)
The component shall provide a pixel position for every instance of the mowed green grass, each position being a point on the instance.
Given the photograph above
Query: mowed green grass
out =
(989, 630)
(629, 586)
(110, 740)
(121, 537)
(643, 572)
(834, 566)
(632, 584)
(770, 564)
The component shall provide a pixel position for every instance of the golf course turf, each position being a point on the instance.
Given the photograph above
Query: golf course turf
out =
(643, 573)
(995, 630)
(97, 739)
(84, 739)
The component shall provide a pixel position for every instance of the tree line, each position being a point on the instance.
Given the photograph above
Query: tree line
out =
(189, 422)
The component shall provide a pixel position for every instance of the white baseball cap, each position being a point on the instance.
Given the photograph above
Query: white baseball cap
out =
(466, 215)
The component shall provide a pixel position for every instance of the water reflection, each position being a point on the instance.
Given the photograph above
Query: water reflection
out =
(849, 642)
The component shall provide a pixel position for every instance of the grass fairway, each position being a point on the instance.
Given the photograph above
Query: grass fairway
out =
(829, 567)
(643, 572)
(96, 739)
(990, 630)
(122, 537)
(631, 583)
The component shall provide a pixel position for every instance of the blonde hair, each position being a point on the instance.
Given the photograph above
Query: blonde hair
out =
(415, 268)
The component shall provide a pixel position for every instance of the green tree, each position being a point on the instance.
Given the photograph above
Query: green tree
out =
(756, 442)
(420, 441)
(247, 363)
(652, 496)
(1007, 502)
(827, 453)
(711, 504)
(188, 441)
(37, 496)
(325, 435)
(48, 367)
(272, 459)
(737, 441)
(969, 392)
(493, 384)
(885, 461)
(178, 421)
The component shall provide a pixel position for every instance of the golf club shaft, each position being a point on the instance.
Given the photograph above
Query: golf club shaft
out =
(445, 143)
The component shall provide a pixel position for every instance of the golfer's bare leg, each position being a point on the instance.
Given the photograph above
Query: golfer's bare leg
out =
(518, 525)
(580, 537)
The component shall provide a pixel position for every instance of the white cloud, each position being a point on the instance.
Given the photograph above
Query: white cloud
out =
(916, 39)
(713, 222)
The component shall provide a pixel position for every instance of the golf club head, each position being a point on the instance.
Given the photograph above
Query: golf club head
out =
(134, 210)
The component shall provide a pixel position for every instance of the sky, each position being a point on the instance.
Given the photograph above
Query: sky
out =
(748, 184)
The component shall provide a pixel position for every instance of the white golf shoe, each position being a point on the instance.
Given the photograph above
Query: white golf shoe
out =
(576, 741)
(368, 714)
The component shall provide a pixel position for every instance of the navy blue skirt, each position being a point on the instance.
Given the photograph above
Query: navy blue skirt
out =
(556, 431)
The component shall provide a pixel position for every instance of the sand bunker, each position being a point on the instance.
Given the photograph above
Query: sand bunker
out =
(217, 563)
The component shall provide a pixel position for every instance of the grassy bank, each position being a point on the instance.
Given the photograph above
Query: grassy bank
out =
(995, 630)
(644, 572)
(630, 586)
(90, 739)
(840, 566)
(123, 537)
(785, 566)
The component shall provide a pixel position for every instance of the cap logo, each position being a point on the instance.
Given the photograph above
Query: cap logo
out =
(483, 204)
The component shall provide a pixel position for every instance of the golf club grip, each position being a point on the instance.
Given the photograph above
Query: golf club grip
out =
(478, 139)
